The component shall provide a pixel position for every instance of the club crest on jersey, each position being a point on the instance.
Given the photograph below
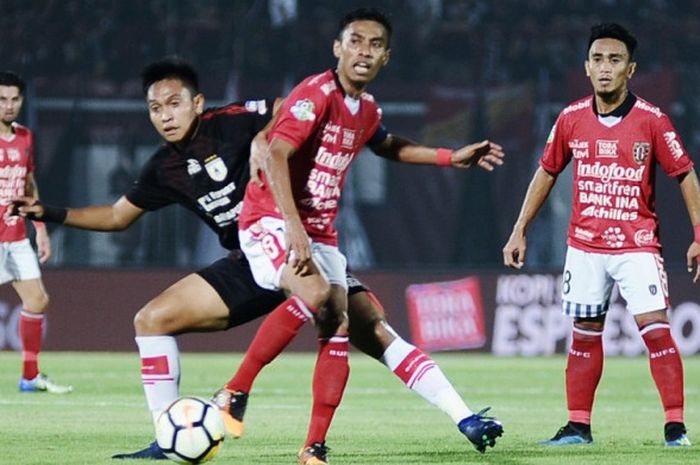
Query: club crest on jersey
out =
(216, 168)
(640, 151)
(193, 166)
(303, 110)
(652, 289)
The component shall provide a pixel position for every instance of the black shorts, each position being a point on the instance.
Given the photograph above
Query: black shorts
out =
(232, 280)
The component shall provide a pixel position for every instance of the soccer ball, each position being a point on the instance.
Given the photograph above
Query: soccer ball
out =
(190, 430)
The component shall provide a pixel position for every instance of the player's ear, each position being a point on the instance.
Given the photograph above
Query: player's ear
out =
(585, 65)
(385, 58)
(198, 103)
(336, 48)
(631, 68)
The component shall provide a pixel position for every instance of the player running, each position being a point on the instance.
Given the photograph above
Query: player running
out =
(615, 140)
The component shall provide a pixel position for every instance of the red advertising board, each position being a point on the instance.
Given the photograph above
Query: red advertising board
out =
(446, 315)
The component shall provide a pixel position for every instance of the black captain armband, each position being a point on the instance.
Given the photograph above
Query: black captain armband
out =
(51, 214)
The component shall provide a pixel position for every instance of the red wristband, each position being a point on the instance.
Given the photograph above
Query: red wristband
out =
(38, 224)
(444, 157)
(696, 233)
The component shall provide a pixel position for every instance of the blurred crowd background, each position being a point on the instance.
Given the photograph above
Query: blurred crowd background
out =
(460, 71)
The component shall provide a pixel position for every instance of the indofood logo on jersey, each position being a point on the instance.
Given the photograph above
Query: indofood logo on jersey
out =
(303, 110)
(216, 168)
(613, 171)
(336, 161)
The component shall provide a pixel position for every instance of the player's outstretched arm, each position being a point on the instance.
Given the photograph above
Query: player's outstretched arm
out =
(537, 192)
(485, 154)
(116, 217)
(690, 188)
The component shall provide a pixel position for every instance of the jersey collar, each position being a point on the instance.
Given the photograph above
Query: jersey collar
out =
(622, 110)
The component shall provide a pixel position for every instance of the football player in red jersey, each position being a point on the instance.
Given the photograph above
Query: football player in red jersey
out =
(18, 261)
(614, 139)
(287, 223)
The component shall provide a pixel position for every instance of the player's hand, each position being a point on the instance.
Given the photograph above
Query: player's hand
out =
(43, 244)
(514, 250)
(298, 248)
(26, 207)
(258, 151)
(485, 154)
(693, 260)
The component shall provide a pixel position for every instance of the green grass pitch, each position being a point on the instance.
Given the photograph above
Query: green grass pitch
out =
(380, 421)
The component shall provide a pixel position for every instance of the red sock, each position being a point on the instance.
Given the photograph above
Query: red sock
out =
(274, 334)
(584, 368)
(330, 378)
(666, 368)
(31, 327)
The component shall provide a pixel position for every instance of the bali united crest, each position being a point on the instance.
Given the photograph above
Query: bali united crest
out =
(640, 151)
(216, 168)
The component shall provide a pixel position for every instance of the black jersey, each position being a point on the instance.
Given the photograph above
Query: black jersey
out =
(209, 175)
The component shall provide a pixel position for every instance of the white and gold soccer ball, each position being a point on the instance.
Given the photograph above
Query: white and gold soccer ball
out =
(190, 430)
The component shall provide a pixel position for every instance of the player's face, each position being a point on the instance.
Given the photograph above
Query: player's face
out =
(609, 67)
(173, 109)
(361, 52)
(10, 104)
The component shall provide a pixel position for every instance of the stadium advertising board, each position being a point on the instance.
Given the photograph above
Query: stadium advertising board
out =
(508, 314)
(447, 315)
(528, 318)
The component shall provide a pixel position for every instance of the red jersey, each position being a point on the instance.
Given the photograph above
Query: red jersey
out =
(327, 129)
(613, 174)
(16, 162)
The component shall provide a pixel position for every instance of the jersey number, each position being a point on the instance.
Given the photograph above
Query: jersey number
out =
(566, 287)
(271, 246)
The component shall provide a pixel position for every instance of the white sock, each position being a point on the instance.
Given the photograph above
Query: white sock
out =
(420, 373)
(160, 371)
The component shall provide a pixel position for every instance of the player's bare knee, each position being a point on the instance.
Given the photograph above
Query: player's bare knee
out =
(37, 303)
(596, 323)
(151, 320)
(329, 322)
(316, 294)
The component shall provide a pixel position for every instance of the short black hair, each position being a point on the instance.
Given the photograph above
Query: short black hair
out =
(170, 68)
(613, 31)
(366, 14)
(12, 79)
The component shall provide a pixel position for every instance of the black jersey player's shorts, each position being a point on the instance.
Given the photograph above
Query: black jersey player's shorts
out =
(232, 279)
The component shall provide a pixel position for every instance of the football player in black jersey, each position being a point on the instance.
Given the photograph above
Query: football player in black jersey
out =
(204, 166)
